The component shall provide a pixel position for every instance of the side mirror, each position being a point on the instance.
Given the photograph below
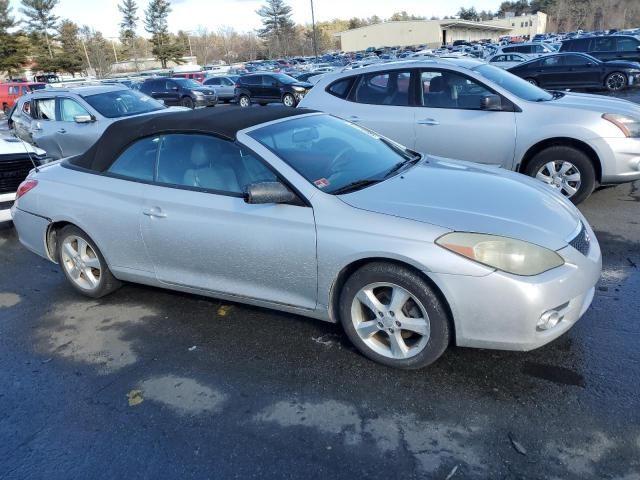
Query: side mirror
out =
(83, 119)
(268, 192)
(492, 103)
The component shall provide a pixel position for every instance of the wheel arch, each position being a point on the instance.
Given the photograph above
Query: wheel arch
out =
(51, 238)
(562, 142)
(348, 270)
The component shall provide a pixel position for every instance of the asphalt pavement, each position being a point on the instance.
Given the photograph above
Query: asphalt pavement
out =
(153, 384)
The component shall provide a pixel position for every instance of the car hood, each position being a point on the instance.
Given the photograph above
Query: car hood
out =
(596, 103)
(301, 84)
(467, 197)
(623, 64)
(11, 146)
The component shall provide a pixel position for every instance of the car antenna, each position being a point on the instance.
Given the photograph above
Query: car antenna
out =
(35, 166)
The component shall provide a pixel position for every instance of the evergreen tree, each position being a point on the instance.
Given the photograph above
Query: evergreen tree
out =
(278, 27)
(40, 19)
(165, 48)
(71, 58)
(129, 23)
(14, 47)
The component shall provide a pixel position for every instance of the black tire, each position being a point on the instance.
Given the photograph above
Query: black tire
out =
(6, 110)
(616, 81)
(226, 100)
(579, 159)
(187, 102)
(440, 323)
(107, 283)
(244, 101)
(532, 81)
(289, 98)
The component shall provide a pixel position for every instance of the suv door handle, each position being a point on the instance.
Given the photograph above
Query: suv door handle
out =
(154, 212)
(428, 121)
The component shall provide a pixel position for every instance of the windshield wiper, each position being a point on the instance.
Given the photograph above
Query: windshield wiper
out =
(357, 185)
(400, 165)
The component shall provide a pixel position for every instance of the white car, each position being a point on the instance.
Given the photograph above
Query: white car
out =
(470, 110)
(15, 165)
(508, 60)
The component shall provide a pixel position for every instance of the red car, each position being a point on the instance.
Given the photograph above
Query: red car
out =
(10, 92)
(197, 76)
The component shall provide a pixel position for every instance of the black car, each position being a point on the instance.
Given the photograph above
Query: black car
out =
(578, 70)
(266, 88)
(179, 91)
(606, 47)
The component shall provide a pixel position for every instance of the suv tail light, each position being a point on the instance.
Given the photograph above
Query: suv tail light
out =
(25, 187)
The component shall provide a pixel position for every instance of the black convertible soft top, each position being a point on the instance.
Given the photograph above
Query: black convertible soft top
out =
(223, 122)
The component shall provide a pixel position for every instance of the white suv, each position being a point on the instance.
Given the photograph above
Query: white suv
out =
(469, 110)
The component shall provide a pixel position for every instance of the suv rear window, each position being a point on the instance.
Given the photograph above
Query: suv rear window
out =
(581, 45)
(341, 87)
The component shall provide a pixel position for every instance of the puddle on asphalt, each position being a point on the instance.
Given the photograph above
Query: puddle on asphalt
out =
(8, 300)
(433, 445)
(559, 375)
(94, 333)
(184, 395)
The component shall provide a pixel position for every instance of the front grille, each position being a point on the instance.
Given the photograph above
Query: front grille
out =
(12, 174)
(5, 205)
(581, 241)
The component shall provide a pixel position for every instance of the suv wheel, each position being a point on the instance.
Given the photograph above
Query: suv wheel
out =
(532, 81)
(615, 81)
(244, 101)
(392, 315)
(289, 100)
(187, 102)
(565, 169)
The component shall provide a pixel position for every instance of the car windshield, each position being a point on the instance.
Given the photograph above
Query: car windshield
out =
(335, 156)
(286, 79)
(516, 85)
(187, 83)
(123, 103)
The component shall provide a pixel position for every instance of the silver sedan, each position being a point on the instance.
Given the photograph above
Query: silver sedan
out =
(306, 213)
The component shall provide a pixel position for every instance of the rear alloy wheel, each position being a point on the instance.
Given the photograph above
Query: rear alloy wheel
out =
(567, 170)
(532, 81)
(187, 102)
(244, 101)
(392, 316)
(615, 81)
(289, 100)
(83, 264)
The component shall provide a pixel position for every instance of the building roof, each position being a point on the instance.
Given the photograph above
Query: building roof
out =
(473, 26)
(223, 122)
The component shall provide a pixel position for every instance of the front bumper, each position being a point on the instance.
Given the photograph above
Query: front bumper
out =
(6, 202)
(501, 311)
(620, 159)
(206, 101)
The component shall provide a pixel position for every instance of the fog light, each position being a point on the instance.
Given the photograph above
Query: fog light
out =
(635, 163)
(548, 320)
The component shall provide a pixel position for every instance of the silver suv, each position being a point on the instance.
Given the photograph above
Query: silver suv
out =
(473, 111)
(65, 122)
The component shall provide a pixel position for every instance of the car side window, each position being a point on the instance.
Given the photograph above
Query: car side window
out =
(575, 60)
(446, 89)
(226, 82)
(213, 81)
(44, 109)
(341, 88)
(384, 88)
(138, 161)
(26, 108)
(209, 163)
(627, 45)
(169, 85)
(550, 61)
(69, 109)
(604, 44)
(14, 90)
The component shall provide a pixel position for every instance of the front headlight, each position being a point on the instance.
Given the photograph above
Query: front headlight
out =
(629, 126)
(198, 94)
(299, 89)
(503, 253)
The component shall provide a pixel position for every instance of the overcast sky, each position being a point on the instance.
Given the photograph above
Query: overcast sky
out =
(187, 15)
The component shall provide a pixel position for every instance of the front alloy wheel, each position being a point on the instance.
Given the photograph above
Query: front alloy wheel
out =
(615, 81)
(289, 100)
(393, 316)
(244, 101)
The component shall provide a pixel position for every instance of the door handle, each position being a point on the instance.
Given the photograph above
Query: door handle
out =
(428, 121)
(154, 212)
(354, 118)
(62, 130)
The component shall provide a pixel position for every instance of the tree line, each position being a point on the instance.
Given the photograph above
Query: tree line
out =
(50, 44)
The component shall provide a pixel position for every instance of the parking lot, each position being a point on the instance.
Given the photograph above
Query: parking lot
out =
(148, 383)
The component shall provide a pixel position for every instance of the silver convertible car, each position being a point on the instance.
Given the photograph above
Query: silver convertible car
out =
(306, 213)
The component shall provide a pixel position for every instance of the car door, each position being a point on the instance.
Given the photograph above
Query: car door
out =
(44, 129)
(76, 137)
(21, 120)
(451, 123)
(227, 87)
(254, 84)
(270, 88)
(382, 102)
(201, 233)
(628, 48)
(549, 72)
(581, 71)
(604, 48)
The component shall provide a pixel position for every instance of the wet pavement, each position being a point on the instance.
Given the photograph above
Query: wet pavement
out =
(152, 384)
